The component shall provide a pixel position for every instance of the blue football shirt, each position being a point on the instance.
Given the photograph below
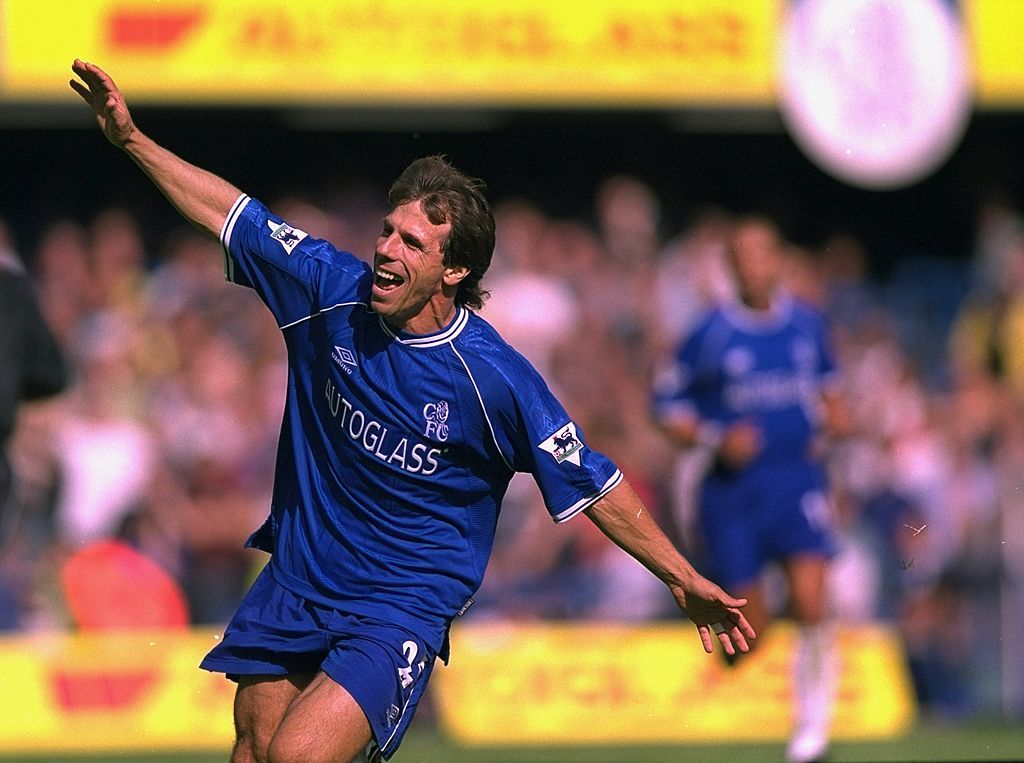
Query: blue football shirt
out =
(766, 368)
(395, 449)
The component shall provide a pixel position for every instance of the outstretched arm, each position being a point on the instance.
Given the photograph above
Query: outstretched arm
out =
(200, 196)
(622, 516)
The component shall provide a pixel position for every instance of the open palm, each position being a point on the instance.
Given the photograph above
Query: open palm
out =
(100, 92)
(716, 615)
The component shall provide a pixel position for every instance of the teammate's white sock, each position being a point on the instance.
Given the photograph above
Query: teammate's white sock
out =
(815, 674)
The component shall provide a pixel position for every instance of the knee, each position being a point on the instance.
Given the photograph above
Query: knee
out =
(810, 611)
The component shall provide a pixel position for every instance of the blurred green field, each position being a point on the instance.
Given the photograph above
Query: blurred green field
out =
(928, 742)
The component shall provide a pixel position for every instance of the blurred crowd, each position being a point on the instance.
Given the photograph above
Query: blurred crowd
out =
(166, 437)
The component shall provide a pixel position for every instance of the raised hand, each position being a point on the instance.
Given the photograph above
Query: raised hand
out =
(202, 197)
(100, 92)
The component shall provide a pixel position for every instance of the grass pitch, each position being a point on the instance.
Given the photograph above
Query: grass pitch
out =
(927, 742)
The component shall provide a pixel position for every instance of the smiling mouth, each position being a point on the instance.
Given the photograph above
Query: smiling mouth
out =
(386, 281)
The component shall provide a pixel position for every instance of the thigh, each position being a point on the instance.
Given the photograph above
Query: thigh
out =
(385, 668)
(260, 705)
(806, 577)
(321, 723)
(369, 687)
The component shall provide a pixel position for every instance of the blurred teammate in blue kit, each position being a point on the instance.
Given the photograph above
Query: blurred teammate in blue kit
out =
(754, 384)
(406, 415)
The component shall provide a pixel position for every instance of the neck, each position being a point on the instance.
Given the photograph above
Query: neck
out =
(434, 316)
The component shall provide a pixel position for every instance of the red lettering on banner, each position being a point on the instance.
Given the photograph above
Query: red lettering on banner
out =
(83, 691)
(508, 34)
(539, 683)
(604, 684)
(289, 33)
(156, 29)
(718, 35)
(260, 31)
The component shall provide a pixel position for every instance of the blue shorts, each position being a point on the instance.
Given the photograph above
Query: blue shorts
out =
(763, 514)
(384, 667)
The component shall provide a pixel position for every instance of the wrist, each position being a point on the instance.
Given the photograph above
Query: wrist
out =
(679, 578)
(132, 141)
(680, 586)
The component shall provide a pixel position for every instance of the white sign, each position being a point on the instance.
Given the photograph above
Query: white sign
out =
(876, 92)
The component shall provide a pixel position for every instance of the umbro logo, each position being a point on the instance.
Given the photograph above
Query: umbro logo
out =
(345, 358)
(394, 713)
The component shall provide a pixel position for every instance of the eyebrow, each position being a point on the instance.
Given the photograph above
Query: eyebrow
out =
(408, 237)
(413, 240)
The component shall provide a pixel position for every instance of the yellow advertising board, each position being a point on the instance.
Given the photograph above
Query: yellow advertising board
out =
(572, 684)
(459, 53)
(506, 685)
(116, 691)
(371, 52)
(994, 28)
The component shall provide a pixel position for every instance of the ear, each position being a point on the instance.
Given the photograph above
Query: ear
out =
(453, 275)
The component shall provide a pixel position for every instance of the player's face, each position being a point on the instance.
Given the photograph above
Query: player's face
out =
(412, 289)
(757, 263)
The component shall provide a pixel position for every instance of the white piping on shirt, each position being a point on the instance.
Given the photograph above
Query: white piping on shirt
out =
(320, 312)
(585, 503)
(483, 407)
(432, 340)
(225, 235)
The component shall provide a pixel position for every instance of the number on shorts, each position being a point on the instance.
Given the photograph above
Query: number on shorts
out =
(816, 509)
(410, 649)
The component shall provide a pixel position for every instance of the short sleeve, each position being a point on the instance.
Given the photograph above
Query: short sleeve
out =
(295, 274)
(815, 326)
(549, 445)
(675, 388)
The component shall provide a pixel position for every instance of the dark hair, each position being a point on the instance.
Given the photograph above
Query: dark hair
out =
(447, 195)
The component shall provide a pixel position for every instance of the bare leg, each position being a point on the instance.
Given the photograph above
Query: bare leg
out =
(814, 668)
(322, 724)
(805, 576)
(260, 704)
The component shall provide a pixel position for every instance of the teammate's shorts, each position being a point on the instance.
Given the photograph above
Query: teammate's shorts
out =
(766, 513)
(384, 667)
